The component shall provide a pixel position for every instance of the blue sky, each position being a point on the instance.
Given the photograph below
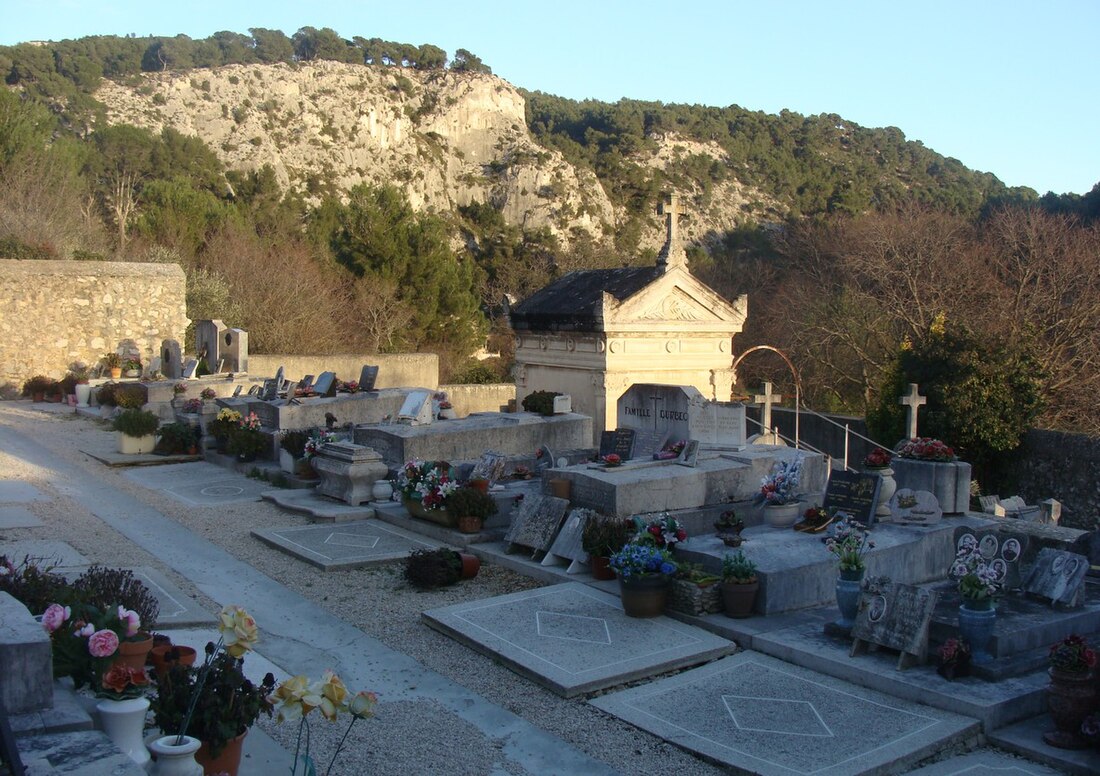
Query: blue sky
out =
(1006, 87)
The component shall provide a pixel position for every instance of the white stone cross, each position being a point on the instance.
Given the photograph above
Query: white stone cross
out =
(673, 211)
(767, 399)
(912, 401)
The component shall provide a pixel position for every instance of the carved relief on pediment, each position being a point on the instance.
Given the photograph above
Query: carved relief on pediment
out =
(675, 306)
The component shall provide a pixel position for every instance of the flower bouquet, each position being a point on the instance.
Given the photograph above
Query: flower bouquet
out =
(848, 543)
(1072, 655)
(85, 640)
(662, 532)
(926, 449)
(954, 659)
(428, 482)
(670, 451)
(208, 394)
(224, 423)
(877, 459)
(316, 439)
(643, 559)
(780, 486)
(815, 520)
(977, 579)
(611, 460)
(192, 407)
(179, 388)
(246, 440)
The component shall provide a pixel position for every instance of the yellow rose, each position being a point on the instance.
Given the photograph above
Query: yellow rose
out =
(333, 695)
(238, 630)
(294, 698)
(362, 705)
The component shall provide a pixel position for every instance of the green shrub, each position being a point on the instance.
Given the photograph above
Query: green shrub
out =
(471, 502)
(294, 442)
(135, 422)
(738, 569)
(541, 402)
(105, 395)
(33, 583)
(427, 568)
(106, 588)
(130, 396)
(178, 437)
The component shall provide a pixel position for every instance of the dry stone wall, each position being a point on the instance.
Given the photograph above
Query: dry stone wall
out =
(54, 314)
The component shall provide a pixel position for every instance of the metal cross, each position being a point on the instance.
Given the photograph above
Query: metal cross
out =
(767, 398)
(912, 401)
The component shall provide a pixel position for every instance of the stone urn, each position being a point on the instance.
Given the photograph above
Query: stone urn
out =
(888, 486)
(1070, 698)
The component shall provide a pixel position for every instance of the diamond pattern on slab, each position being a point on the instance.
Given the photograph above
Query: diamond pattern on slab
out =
(572, 627)
(775, 715)
(352, 540)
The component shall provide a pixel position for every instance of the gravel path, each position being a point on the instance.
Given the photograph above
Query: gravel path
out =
(406, 736)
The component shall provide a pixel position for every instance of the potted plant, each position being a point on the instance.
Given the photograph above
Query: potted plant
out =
(954, 659)
(541, 402)
(978, 584)
(247, 441)
(739, 585)
(178, 437)
(38, 386)
(601, 538)
(1071, 694)
(425, 487)
(928, 464)
(32, 582)
(82, 389)
(122, 709)
(130, 396)
(222, 427)
(848, 543)
(645, 572)
(729, 523)
(136, 431)
(215, 702)
(131, 366)
(470, 508)
(292, 448)
(428, 568)
(695, 591)
(113, 363)
(779, 493)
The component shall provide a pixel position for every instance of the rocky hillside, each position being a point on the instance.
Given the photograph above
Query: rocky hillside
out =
(447, 138)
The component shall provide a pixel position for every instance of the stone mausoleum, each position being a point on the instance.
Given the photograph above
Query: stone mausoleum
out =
(592, 334)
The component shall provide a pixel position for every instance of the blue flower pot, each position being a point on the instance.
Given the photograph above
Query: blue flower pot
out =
(976, 628)
(848, 592)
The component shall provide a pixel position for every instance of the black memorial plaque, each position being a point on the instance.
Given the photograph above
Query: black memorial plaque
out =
(854, 494)
(620, 442)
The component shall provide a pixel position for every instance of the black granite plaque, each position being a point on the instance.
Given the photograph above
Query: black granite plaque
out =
(367, 377)
(896, 616)
(620, 442)
(854, 494)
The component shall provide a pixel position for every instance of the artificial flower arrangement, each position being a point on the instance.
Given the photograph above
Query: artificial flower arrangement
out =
(121, 682)
(247, 439)
(214, 702)
(977, 579)
(815, 520)
(848, 543)
(351, 386)
(317, 438)
(296, 697)
(954, 659)
(781, 485)
(878, 458)
(208, 394)
(429, 482)
(179, 388)
(224, 423)
(642, 559)
(445, 405)
(612, 459)
(1072, 655)
(522, 472)
(85, 640)
(663, 531)
(670, 451)
(192, 407)
(926, 449)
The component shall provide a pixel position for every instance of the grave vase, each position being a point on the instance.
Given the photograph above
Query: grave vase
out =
(781, 515)
(123, 722)
(1070, 698)
(849, 587)
(976, 628)
(644, 595)
(175, 760)
(83, 393)
(888, 486)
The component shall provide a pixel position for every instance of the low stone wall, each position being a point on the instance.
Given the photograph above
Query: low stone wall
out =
(1060, 465)
(492, 397)
(399, 370)
(54, 314)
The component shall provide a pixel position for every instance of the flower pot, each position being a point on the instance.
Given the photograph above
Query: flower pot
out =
(949, 481)
(954, 669)
(381, 491)
(848, 590)
(781, 515)
(304, 470)
(471, 564)
(123, 722)
(128, 445)
(976, 628)
(1070, 698)
(83, 394)
(739, 599)
(469, 524)
(116, 372)
(644, 595)
(184, 656)
(888, 486)
(38, 396)
(228, 759)
(479, 484)
(134, 653)
(175, 760)
(601, 567)
(287, 462)
(440, 516)
(561, 488)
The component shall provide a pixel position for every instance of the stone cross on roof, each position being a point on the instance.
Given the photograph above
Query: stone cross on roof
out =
(767, 399)
(672, 254)
(912, 401)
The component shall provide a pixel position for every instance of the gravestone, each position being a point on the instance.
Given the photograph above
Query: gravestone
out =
(171, 359)
(895, 616)
(235, 350)
(1050, 511)
(665, 409)
(280, 376)
(563, 404)
(544, 459)
(1003, 552)
(647, 443)
(306, 382)
(208, 341)
(716, 423)
(490, 466)
(237, 390)
(1088, 545)
(690, 456)
(853, 493)
(1057, 575)
(620, 442)
(368, 376)
(255, 389)
(417, 409)
(536, 522)
(188, 371)
(568, 543)
(326, 384)
(915, 507)
(270, 391)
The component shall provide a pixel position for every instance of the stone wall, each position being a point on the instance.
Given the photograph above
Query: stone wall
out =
(492, 397)
(54, 314)
(399, 370)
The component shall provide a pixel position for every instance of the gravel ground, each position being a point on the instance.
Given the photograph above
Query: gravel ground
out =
(406, 736)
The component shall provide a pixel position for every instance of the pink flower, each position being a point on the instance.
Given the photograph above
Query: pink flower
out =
(55, 616)
(103, 643)
(131, 619)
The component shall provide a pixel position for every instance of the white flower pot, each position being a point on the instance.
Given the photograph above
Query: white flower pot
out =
(128, 445)
(175, 760)
(123, 722)
(781, 515)
(83, 394)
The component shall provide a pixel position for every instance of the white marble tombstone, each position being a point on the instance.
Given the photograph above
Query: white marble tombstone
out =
(661, 408)
(417, 409)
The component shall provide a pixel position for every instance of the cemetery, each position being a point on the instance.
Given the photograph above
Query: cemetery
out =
(873, 595)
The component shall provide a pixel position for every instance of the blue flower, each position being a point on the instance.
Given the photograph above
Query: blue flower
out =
(667, 568)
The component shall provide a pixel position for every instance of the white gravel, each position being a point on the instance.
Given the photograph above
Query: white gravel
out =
(406, 736)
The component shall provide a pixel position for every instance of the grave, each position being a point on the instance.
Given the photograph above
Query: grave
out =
(50, 553)
(1057, 576)
(755, 713)
(199, 484)
(574, 639)
(1005, 552)
(490, 467)
(915, 507)
(171, 359)
(619, 442)
(567, 546)
(325, 385)
(348, 471)
(300, 414)
(536, 522)
(235, 350)
(344, 546)
(853, 493)
(895, 616)
(208, 342)
(368, 376)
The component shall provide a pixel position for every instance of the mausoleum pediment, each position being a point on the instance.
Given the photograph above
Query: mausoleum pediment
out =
(675, 298)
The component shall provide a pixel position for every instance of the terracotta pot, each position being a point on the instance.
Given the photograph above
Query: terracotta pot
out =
(739, 598)
(133, 653)
(228, 759)
(185, 656)
(471, 564)
(479, 484)
(468, 524)
(601, 567)
(644, 596)
(1070, 698)
(116, 372)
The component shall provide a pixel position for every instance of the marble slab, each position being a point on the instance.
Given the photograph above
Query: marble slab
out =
(55, 553)
(199, 484)
(343, 546)
(761, 715)
(16, 492)
(574, 639)
(18, 517)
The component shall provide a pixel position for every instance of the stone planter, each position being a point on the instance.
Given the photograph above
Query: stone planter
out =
(781, 515)
(949, 481)
(128, 445)
(440, 516)
(690, 598)
(1070, 698)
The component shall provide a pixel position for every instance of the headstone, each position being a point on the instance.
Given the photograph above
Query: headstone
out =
(647, 442)
(237, 390)
(690, 456)
(368, 376)
(567, 544)
(280, 376)
(662, 408)
(989, 503)
(563, 404)
(895, 616)
(915, 507)
(489, 467)
(307, 382)
(1004, 552)
(171, 359)
(1050, 511)
(208, 341)
(766, 400)
(716, 423)
(1057, 575)
(188, 372)
(1088, 545)
(544, 459)
(913, 401)
(326, 384)
(270, 391)
(255, 389)
(620, 442)
(536, 522)
(853, 493)
(417, 409)
(235, 350)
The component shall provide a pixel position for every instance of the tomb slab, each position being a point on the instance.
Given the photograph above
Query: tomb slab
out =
(343, 546)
